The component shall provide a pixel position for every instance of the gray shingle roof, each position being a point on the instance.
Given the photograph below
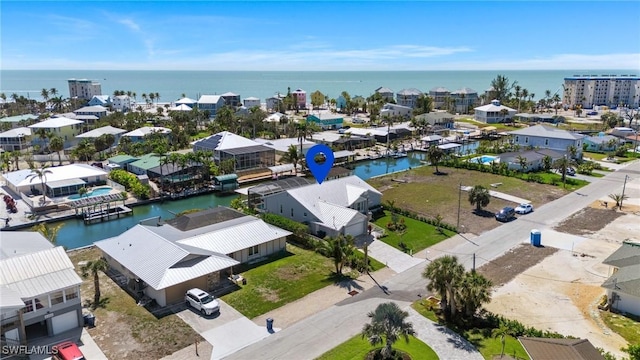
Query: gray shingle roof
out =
(626, 280)
(627, 254)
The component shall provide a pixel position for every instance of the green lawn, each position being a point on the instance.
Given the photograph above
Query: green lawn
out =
(279, 282)
(375, 264)
(628, 328)
(417, 236)
(499, 127)
(488, 346)
(594, 155)
(358, 348)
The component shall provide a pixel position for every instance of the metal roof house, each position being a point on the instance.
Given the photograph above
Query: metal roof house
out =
(623, 284)
(494, 113)
(39, 288)
(138, 134)
(246, 154)
(337, 206)
(164, 260)
(547, 137)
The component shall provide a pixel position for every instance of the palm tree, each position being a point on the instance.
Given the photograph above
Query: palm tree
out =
(522, 161)
(501, 332)
(45, 95)
(93, 267)
(388, 325)
(292, 156)
(49, 232)
(41, 174)
(340, 249)
(445, 274)
(474, 291)
(435, 154)
(561, 165)
(56, 143)
(53, 92)
(82, 191)
(618, 198)
(479, 196)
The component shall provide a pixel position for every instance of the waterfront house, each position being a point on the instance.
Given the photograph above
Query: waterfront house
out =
(335, 207)
(251, 102)
(494, 113)
(299, 98)
(139, 134)
(601, 143)
(144, 163)
(273, 103)
(60, 181)
(63, 127)
(440, 120)
(162, 260)
(181, 107)
(549, 348)
(210, 103)
(327, 121)
(186, 101)
(122, 160)
(408, 97)
(464, 100)
(17, 121)
(439, 96)
(40, 289)
(534, 159)
(343, 141)
(385, 93)
(15, 139)
(231, 99)
(245, 153)
(121, 103)
(395, 110)
(102, 100)
(281, 146)
(533, 118)
(547, 137)
(623, 284)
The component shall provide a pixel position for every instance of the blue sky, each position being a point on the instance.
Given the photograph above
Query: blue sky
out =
(320, 35)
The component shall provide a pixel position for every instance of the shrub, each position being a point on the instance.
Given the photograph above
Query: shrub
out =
(130, 183)
(295, 227)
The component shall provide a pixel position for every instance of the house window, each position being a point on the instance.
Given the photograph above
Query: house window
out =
(56, 298)
(70, 293)
(280, 209)
(546, 142)
(526, 140)
(254, 250)
(305, 214)
(291, 212)
(517, 139)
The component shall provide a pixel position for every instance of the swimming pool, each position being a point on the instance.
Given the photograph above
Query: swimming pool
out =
(484, 159)
(94, 192)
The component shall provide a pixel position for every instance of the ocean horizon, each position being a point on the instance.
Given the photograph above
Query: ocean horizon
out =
(171, 84)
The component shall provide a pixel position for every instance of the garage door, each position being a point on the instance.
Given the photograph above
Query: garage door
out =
(64, 322)
(354, 229)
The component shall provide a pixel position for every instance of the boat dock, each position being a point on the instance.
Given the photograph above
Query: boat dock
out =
(111, 213)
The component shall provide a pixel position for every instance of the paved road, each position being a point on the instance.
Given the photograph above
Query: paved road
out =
(315, 335)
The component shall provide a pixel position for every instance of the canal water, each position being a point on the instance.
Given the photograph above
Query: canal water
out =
(75, 233)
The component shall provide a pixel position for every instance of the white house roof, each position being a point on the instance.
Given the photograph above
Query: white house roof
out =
(95, 108)
(56, 122)
(329, 136)
(145, 130)
(38, 273)
(58, 173)
(251, 98)
(16, 243)
(17, 132)
(390, 106)
(181, 107)
(343, 153)
(229, 94)
(101, 131)
(275, 117)
(335, 216)
(159, 262)
(282, 145)
(236, 235)
(225, 140)
(547, 131)
(409, 92)
(19, 118)
(186, 100)
(494, 108)
(209, 99)
(465, 90)
(9, 299)
(341, 192)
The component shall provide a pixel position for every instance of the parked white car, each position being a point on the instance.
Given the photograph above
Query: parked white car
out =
(524, 208)
(202, 301)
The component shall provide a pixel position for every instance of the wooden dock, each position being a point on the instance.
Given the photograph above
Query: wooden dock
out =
(110, 213)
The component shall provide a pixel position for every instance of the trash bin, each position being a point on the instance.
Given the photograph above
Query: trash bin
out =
(270, 324)
(90, 320)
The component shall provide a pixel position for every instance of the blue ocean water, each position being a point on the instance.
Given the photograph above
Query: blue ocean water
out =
(263, 84)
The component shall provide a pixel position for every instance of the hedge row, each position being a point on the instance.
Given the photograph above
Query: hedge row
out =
(415, 216)
(130, 183)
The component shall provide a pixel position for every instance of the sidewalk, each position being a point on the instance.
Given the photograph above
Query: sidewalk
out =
(500, 195)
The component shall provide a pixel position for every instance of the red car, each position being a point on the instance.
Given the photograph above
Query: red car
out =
(67, 351)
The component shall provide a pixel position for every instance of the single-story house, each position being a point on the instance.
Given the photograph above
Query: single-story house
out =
(326, 121)
(162, 260)
(566, 349)
(623, 284)
(122, 160)
(397, 131)
(547, 137)
(138, 135)
(15, 139)
(281, 146)
(535, 158)
(143, 164)
(494, 113)
(39, 287)
(95, 133)
(245, 153)
(60, 181)
(334, 207)
(602, 142)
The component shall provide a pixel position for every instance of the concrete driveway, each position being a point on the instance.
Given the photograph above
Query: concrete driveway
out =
(227, 332)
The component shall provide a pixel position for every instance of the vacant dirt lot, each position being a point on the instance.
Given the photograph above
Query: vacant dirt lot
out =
(588, 221)
(421, 191)
(517, 260)
(561, 292)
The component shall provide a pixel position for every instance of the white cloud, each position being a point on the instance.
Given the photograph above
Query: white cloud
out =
(132, 25)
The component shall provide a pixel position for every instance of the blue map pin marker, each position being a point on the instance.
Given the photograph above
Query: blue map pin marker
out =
(320, 171)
